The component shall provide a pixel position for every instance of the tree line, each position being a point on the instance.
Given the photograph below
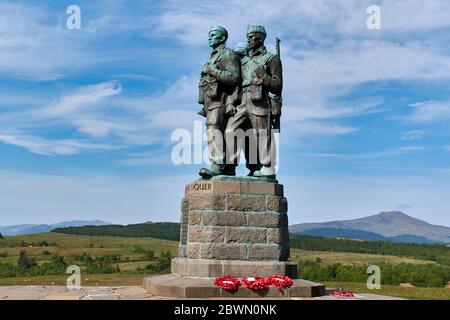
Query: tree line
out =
(433, 252)
(158, 230)
(420, 275)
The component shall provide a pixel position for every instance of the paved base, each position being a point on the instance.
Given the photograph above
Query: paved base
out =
(203, 268)
(129, 293)
(172, 285)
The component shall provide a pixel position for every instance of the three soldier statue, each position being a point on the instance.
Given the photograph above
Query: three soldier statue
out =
(240, 91)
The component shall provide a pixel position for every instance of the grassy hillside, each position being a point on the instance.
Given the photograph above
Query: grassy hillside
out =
(170, 231)
(126, 260)
(158, 230)
(352, 259)
(432, 252)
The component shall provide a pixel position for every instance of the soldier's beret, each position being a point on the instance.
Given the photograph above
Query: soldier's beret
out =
(256, 28)
(220, 29)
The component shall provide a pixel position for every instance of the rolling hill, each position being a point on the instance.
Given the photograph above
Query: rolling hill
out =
(21, 229)
(391, 226)
(159, 230)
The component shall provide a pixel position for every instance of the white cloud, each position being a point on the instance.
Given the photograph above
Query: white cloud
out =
(51, 147)
(380, 154)
(430, 111)
(32, 48)
(84, 97)
(413, 135)
(317, 128)
(189, 21)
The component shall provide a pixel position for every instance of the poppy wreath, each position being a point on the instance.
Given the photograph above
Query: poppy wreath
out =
(255, 283)
(227, 283)
(279, 281)
(345, 294)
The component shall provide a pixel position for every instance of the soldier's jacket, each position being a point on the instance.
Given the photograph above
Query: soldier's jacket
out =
(214, 90)
(256, 88)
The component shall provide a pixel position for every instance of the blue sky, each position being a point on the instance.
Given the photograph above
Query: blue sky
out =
(86, 115)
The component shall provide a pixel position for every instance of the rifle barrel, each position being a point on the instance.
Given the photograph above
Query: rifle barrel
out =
(277, 46)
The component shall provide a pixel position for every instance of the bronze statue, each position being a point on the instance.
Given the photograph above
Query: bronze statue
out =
(260, 108)
(219, 79)
(241, 92)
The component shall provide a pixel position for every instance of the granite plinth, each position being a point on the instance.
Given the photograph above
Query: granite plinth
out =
(236, 268)
(185, 287)
(234, 226)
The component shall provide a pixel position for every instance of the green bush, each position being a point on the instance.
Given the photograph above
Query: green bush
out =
(424, 275)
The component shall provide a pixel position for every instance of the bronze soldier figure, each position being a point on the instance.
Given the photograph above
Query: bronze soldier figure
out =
(262, 80)
(218, 81)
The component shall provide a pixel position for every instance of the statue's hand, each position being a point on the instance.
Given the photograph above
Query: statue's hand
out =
(204, 68)
(260, 71)
(211, 71)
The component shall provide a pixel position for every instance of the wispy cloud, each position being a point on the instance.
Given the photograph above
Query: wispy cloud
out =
(51, 147)
(84, 97)
(430, 111)
(381, 154)
(413, 135)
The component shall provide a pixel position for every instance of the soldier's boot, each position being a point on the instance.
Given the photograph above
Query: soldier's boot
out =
(252, 169)
(229, 170)
(265, 172)
(215, 170)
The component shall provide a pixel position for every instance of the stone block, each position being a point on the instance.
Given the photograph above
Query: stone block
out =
(224, 218)
(278, 236)
(263, 219)
(277, 204)
(199, 187)
(261, 188)
(264, 252)
(235, 268)
(246, 202)
(222, 251)
(193, 250)
(207, 201)
(245, 235)
(227, 187)
(206, 234)
(195, 217)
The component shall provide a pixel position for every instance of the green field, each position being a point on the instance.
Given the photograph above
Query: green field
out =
(131, 259)
(349, 258)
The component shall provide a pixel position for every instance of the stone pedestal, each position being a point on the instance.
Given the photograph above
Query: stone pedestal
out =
(235, 226)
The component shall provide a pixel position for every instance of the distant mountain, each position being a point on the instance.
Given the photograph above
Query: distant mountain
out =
(392, 226)
(363, 235)
(39, 228)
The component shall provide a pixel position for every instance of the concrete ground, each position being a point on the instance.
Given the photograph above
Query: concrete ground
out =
(122, 293)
